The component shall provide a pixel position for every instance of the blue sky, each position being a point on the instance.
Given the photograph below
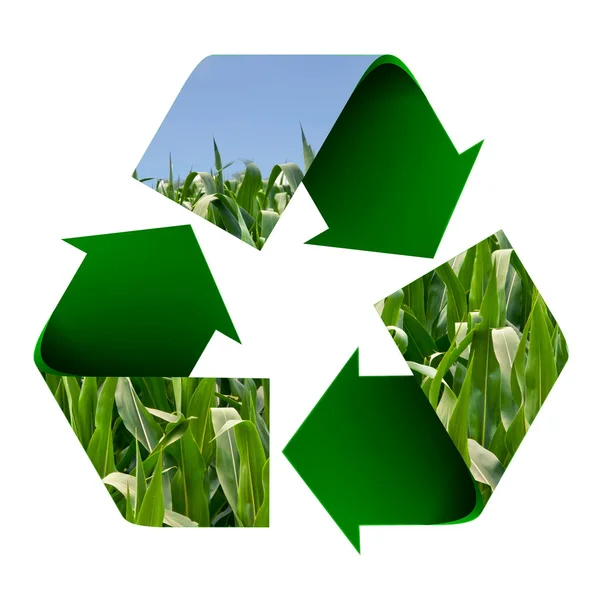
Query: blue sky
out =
(253, 105)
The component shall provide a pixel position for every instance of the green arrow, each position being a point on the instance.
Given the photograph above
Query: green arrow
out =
(141, 303)
(374, 452)
(387, 177)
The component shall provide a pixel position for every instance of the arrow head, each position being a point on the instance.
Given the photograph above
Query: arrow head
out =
(388, 177)
(374, 452)
(141, 303)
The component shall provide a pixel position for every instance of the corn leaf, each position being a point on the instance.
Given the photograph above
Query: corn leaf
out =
(246, 391)
(177, 393)
(292, 173)
(219, 168)
(154, 388)
(458, 424)
(465, 273)
(446, 406)
(122, 482)
(486, 387)
(140, 478)
(267, 220)
(165, 416)
(482, 266)
(262, 517)
(420, 343)
(498, 445)
(209, 183)
(72, 391)
(252, 182)
(199, 405)
(501, 264)
(516, 432)
(251, 463)
(450, 357)
(189, 498)
(100, 449)
(425, 370)
(456, 310)
(173, 433)
(540, 371)
(414, 298)
(307, 150)
(392, 307)
(152, 509)
(485, 467)
(86, 407)
(559, 346)
(136, 417)
(129, 515)
(175, 519)
(506, 343)
(227, 455)
(435, 311)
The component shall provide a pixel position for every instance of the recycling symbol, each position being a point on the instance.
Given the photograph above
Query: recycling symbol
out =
(119, 350)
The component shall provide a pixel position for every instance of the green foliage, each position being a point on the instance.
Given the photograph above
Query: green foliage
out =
(486, 349)
(246, 205)
(176, 452)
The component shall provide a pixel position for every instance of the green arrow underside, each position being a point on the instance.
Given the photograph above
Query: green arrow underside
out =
(142, 303)
(374, 452)
(387, 177)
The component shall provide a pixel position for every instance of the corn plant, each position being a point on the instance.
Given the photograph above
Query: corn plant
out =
(177, 452)
(486, 348)
(246, 205)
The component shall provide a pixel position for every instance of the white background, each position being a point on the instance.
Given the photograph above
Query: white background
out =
(85, 86)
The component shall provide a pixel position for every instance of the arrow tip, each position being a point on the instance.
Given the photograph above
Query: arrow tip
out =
(78, 242)
(352, 533)
(468, 157)
(228, 328)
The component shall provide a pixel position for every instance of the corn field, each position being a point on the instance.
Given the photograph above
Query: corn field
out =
(177, 452)
(246, 205)
(486, 349)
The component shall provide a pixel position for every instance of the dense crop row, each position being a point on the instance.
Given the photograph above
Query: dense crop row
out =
(246, 205)
(486, 349)
(180, 452)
